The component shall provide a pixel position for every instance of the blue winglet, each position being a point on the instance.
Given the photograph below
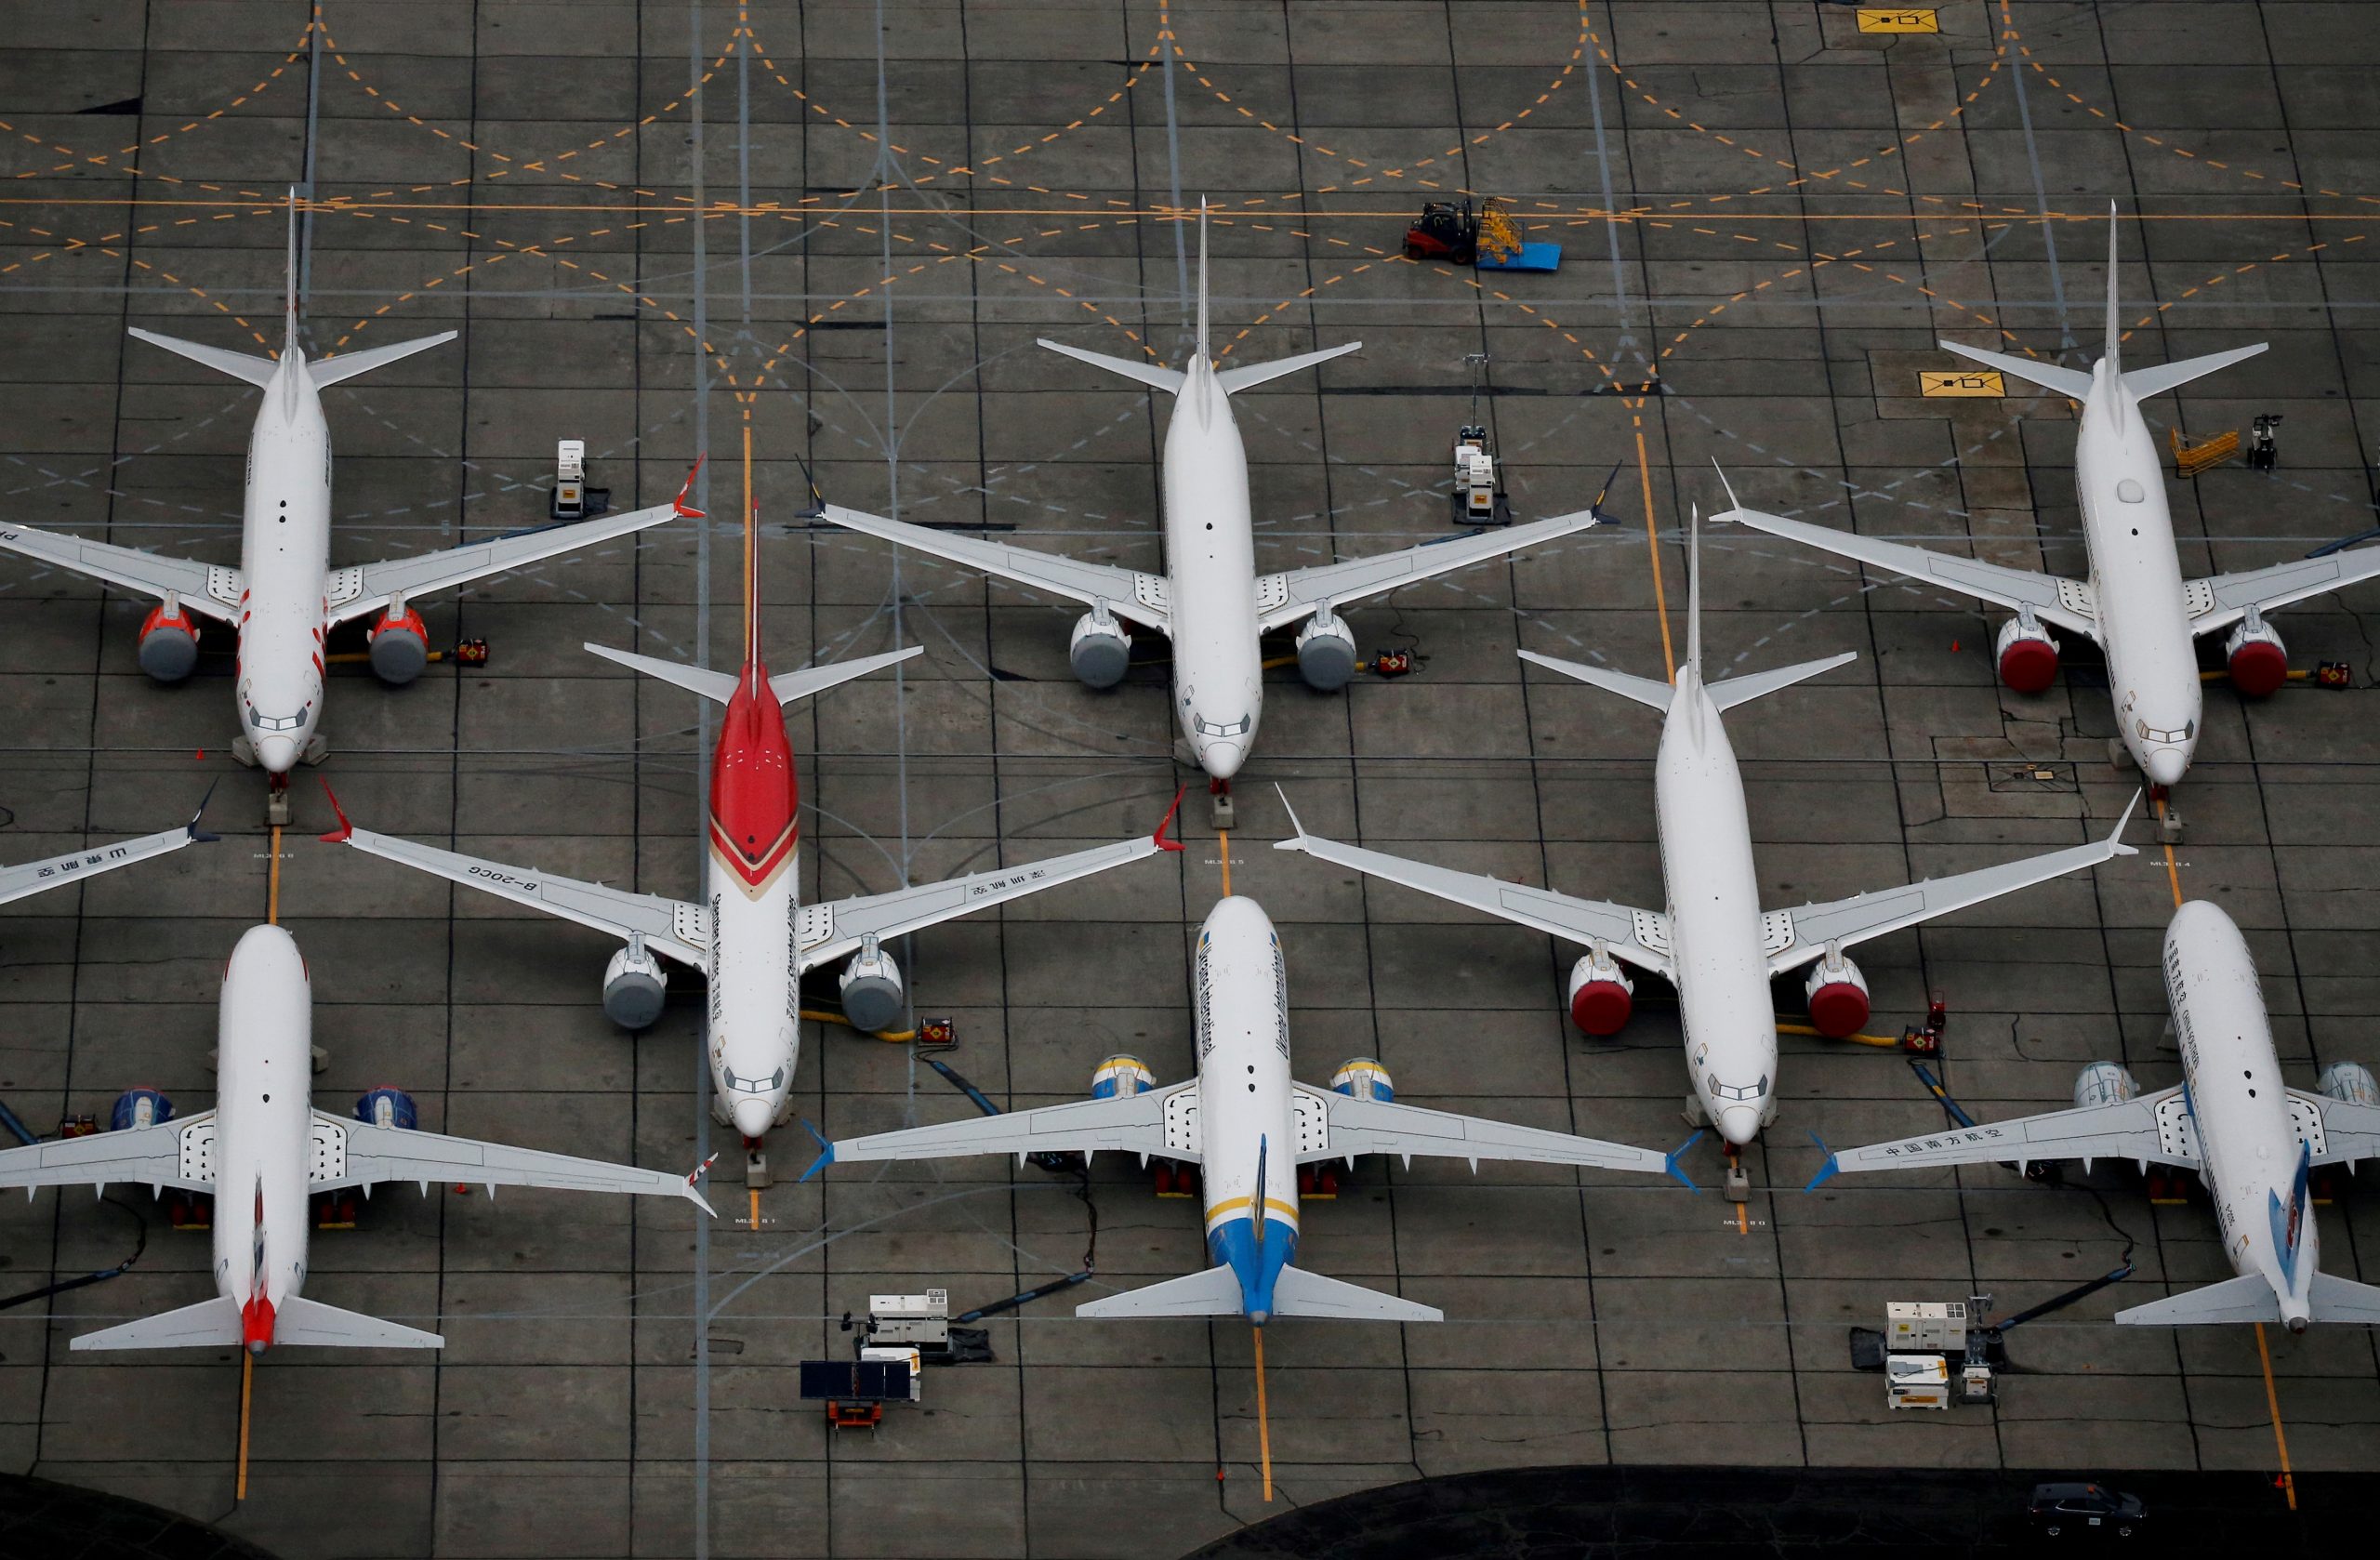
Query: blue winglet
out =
(1825, 1172)
(824, 1159)
(1669, 1161)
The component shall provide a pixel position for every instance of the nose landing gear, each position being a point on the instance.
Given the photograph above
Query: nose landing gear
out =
(1738, 1183)
(1219, 798)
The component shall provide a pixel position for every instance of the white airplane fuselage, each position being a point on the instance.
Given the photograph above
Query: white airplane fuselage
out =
(284, 563)
(754, 884)
(2137, 581)
(264, 1114)
(2240, 1109)
(1210, 564)
(1714, 891)
(1239, 987)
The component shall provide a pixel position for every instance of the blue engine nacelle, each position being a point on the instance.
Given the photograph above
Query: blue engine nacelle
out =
(140, 1107)
(1121, 1078)
(1363, 1078)
(388, 1107)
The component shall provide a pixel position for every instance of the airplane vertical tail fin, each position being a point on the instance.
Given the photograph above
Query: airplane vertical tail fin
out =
(1206, 353)
(2115, 301)
(289, 284)
(752, 593)
(1693, 591)
(2289, 1219)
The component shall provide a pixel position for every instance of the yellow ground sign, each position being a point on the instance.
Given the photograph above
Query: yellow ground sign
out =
(1898, 20)
(1960, 381)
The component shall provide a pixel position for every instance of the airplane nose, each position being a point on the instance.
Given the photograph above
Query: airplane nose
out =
(1258, 1318)
(753, 1117)
(1221, 759)
(2165, 766)
(277, 754)
(1740, 1124)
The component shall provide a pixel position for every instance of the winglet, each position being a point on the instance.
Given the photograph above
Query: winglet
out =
(693, 1190)
(1594, 505)
(2115, 835)
(824, 1159)
(1668, 1163)
(1297, 829)
(1825, 1172)
(1163, 824)
(1727, 487)
(686, 511)
(197, 834)
(346, 830)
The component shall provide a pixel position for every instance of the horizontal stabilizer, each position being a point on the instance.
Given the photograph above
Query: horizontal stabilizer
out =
(715, 685)
(791, 685)
(1298, 1293)
(2248, 1298)
(1643, 689)
(347, 365)
(240, 365)
(1212, 1293)
(1234, 380)
(310, 1322)
(2072, 383)
(2343, 1300)
(2145, 382)
(1729, 692)
(1154, 374)
(210, 1324)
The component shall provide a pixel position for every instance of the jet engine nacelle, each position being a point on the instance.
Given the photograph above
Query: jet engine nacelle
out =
(1100, 651)
(2104, 1083)
(2259, 661)
(872, 989)
(400, 644)
(1121, 1078)
(1837, 993)
(385, 1106)
(2349, 1083)
(2027, 655)
(169, 648)
(1600, 993)
(1363, 1077)
(147, 1107)
(1326, 652)
(634, 985)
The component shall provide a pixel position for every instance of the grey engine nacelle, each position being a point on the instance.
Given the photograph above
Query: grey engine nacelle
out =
(2350, 1083)
(168, 642)
(871, 990)
(2104, 1083)
(400, 645)
(634, 986)
(1101, 650)
(1326, 652)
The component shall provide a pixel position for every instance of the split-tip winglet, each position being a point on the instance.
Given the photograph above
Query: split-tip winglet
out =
(2116, 836)
(1825, 1172)
(686, 511)
(826, 1153)
(346, 830)
(197, 834)
(1669, 1164)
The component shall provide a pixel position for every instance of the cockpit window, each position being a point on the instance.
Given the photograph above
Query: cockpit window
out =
(2150, 733)
(768, 1085)
(1217, 728)
(1740, 1091)
(276, 722)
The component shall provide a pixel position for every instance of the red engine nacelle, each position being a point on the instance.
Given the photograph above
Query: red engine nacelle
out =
(168, 642)
(400, 645)
(1601, 995)
(2027, 655)
(1838, 998)
(2259, 661)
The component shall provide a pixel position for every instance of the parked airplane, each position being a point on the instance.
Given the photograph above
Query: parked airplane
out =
(264, 1150)
(1210, 600)
(753, 939)
(2254, 1141)
(1248, 1127)
(36, 876)
(1713, 941)
(2134, 605)
(284, 598)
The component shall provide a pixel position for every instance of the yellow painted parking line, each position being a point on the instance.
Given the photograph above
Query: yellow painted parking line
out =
(1263, 1418)
(2272, 1401)
(1653, 546)
(272, 882)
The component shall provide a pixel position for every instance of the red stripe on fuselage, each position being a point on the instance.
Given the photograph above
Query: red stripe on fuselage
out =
(754, 795)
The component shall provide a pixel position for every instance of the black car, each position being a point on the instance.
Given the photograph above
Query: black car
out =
(2064, 1510)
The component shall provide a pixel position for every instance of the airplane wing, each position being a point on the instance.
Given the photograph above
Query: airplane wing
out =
(350, 1153)
(15, 882)
(1283, 599)
(2151, 1129)
(2067, 604)
(1355, 1127)
(670, 927)
(1128, 592)
(1129, 1124)
(358, 592)
(827, 931)
(1639, 936)
(2219, 601)
(170, 1154)
(209, 590)
(1842, 922)
(2347, 1131)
